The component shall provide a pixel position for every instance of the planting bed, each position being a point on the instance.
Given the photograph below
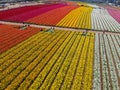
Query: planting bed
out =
(11, 35)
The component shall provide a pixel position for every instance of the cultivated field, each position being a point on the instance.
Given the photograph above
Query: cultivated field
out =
(49, 59)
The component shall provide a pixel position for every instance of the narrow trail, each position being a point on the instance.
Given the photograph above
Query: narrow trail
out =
(60, 28)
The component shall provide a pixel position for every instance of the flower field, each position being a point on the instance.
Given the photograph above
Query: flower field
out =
(17, 11)
(59, 58)
(25, 13)
(101, 20)
(62, 60)
(78, 18)
(52, 17)
(10, 36)
(114, 12)
(72, 15)
(107, 62)
(33, 58)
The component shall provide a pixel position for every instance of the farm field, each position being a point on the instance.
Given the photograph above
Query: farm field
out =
(72, 15)
(52, 17)
(106, 62)
(62, 60)
(58, 57)
(47, 58)
(81, 19)
(102, 20)
(25, 13)
(114, 12)
(12, 35)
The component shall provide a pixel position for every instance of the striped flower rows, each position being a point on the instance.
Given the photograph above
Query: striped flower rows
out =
(11, 35)
(78, 18)
(52, 17)
(62, 60)
(25, 13)
(107, 62)
(80, 15)
(59, 60)
(101, 20)
(114, 12)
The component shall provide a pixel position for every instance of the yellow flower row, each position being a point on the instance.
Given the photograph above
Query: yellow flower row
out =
(71, 49)
(78, 18)
(55, 68)
(71, 71)
(88, 72)
(83, 70)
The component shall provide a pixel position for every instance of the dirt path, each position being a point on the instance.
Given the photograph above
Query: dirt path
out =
(59, 28)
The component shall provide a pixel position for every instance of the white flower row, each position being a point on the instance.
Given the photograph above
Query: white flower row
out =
(107, 54)
(97, 80)
(101, 20)
(111, 59)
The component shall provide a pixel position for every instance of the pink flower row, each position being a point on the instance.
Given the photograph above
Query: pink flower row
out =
(115, 13)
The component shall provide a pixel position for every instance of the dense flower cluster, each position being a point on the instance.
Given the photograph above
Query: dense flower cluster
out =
(52, 17)
(25, 13)
(114, 12)
(11, 35)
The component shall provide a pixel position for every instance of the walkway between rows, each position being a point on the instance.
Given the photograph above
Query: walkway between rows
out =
(59, 28)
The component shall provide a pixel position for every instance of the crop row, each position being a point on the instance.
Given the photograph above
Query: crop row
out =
(78, 18)
(10, 36)
(101, 20)
(106, 62)
(52, 17)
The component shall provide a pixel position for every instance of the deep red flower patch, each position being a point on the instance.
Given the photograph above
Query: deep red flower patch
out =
(25, 13)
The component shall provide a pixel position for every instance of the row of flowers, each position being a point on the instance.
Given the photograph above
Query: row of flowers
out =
(52, 17)
(106, 62)
(49, 61)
